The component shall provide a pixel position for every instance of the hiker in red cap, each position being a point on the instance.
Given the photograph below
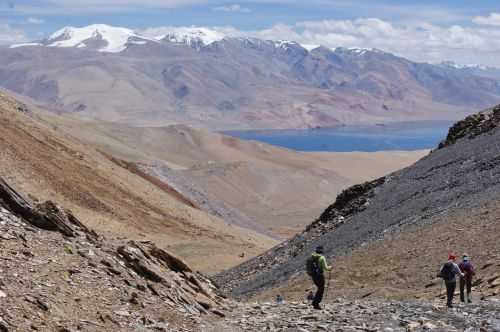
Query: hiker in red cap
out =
(448, 272)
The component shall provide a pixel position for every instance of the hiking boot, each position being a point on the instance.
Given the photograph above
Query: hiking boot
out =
(317, 307)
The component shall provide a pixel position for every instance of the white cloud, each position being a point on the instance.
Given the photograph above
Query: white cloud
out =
(421, 41)
(492, 19)
(233, 9)
(35, 20)
(9, 35)
(417, 41)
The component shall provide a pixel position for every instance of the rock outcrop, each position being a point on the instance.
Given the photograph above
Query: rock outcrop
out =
(473, 126)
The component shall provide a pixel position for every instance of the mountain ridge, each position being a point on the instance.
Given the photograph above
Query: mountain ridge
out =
(238, 83)
(119, 38)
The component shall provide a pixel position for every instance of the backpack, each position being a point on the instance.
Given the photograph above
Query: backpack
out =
(447, 272)
(312, 266)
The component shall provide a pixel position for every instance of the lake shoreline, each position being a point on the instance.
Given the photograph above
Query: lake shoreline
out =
(398, 136)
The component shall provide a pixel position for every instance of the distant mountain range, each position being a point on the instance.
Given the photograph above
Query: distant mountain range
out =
(475, 69)
(201, 77)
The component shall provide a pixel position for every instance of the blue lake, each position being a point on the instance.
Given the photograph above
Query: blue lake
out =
(394, 136)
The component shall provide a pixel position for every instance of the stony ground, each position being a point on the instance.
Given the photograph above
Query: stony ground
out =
(74, 280)
(344, 315)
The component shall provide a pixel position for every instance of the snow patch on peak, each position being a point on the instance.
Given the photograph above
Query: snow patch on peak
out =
(189, 35)
(25, 45)
(310, 47)
(463, 66)
(115, 38)
(285, 44)
(359, 51)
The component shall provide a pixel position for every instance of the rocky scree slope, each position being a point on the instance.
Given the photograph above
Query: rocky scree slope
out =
(460, 177)
(58, 275)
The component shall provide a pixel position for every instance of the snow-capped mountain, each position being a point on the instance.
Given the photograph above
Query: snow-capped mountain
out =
(100, 37)
(192, 36)
(105, 38)
(113, 39)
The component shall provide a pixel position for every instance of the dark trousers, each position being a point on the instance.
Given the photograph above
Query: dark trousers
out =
(450, 292)
(319, 281)
(465, 284)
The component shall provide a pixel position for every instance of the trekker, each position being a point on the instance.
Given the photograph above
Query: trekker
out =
(316, 266)
(466, 282)
(448, 272)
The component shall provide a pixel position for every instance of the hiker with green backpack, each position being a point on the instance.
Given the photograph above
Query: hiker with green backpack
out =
(316, 266)
(448, 273)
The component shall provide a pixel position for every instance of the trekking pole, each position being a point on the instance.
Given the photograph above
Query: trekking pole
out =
(328, 284)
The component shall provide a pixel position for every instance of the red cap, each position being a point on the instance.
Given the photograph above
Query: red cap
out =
(452, 257)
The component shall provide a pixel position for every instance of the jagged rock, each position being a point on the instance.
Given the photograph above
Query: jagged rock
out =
(136, 260)
(351, 200)
(4, 327)
(46, 216)
(52, 217)
(472, 126)
(172, 262)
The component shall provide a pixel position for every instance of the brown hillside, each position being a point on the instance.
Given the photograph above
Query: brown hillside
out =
(50, 164)
(248, 183)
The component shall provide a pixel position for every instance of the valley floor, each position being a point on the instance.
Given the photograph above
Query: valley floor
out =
(343, 315)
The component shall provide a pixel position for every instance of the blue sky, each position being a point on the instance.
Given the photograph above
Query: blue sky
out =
(422, 30)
